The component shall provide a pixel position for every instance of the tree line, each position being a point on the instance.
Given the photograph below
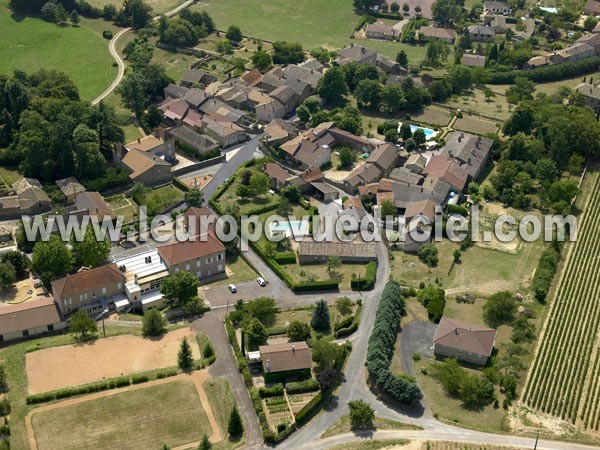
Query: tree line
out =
(381, 347)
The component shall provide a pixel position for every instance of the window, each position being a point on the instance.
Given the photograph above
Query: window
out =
(209, 260)
(199, 274)
(1, 338)
(219, 257)
(220, 268)
(25, 332)
(198, 263)
(50, 327)
(118, 285)
(103, 291)
(93, 294)
(187, 267)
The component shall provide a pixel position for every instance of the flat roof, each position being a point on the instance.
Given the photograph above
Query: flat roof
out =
(137, 265)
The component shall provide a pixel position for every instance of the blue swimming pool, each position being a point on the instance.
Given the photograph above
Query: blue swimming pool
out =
(289, 227)
(429, 133)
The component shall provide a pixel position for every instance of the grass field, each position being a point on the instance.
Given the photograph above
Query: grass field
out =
(222, 402)
(129, 420)
(30, 44)
(373, 444)
(450, 409)
(476, 125)
(158, 6)
(330, 27)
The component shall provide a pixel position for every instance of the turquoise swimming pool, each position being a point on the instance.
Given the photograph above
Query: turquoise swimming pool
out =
(429, 133)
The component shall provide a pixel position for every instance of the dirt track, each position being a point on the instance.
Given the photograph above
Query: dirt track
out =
(76, 364)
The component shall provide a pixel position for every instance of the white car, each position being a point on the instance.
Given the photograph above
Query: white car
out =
(261, 281)
(232, 288)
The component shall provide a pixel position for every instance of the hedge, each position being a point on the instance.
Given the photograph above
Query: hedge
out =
(298, 387)
(285, 257)
(310, 409)
(343, 332)
(324, 285)
(344, 323)
(180, 184)
(273, 391)
(555, 72)
(381, 347)
(241, 360)
(277, 330)
(366, 283)
(542, 280)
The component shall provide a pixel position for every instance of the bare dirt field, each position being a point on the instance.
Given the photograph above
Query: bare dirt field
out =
(73, 365)
(22, 291)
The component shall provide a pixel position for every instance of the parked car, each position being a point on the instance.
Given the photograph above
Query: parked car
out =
(261, 281)
(232, 288)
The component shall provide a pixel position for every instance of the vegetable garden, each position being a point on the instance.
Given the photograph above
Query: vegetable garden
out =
(565, 377)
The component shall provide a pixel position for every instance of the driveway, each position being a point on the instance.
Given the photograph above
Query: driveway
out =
(416, 337)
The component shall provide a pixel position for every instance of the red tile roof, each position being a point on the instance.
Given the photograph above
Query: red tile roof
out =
(27, 315)
(288, 356)
(184, 251)
(464, 336)
(88, 280)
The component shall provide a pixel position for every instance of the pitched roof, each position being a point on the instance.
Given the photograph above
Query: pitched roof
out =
(195, 97)
(438, 33)
(25, 184)
(481, 30)
(199, 141)
(175, 91)
(27, 315)
(145, 143)
(174, 109)
(88, 280)
(310, 153)
(589, 90)
(355, 248)
(276, 172)
(70, 186)
(304, 74)
(251, 77)
(424, 208)
(405, 176)
(473, 60)
(193, 118)
(94, 204)
(465, 336)
(187, 250)
(279, 129)
(442, 166)
(140, 162)
(385, 156)
(287, 356)
(194, 76)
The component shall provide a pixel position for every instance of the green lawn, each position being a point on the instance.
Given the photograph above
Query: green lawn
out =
(158, 6)
(159, 199)
(175, 64)
(450, 409)
(129, 420)
(314, 23)
(29, 43)
(240, 272)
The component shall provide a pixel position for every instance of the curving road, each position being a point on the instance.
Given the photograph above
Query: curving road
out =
(115, 54)
(121, 71)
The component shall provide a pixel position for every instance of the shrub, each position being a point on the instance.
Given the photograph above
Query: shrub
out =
(298, 387)
(137, 379)
(310, 409)
(273, 391)
(367, 282)
(107, 34)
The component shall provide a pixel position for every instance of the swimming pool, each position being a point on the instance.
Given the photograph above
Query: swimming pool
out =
(429, 133)
(289, 227)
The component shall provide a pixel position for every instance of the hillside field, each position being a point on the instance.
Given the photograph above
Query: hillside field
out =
(29, 43)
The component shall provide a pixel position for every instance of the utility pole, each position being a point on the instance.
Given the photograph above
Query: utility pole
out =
(537, 436)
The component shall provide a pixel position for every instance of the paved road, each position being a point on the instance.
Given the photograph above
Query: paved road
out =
(227, 169)
(121, 66)
(115, 54)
